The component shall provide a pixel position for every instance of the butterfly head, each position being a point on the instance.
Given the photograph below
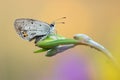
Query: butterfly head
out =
(55, 22)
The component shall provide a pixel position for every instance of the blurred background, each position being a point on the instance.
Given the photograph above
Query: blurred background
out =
(99, 19)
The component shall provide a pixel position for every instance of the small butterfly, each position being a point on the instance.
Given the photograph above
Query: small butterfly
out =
(30, 29)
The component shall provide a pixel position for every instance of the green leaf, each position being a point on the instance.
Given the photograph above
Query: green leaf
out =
(51, 52)
(40, 50)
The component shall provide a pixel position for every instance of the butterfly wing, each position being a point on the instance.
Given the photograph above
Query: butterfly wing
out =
(28, 29)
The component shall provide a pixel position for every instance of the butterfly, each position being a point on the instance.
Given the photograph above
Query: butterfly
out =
(30, 29)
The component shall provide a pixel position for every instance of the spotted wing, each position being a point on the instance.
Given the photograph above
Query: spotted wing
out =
(28, 29)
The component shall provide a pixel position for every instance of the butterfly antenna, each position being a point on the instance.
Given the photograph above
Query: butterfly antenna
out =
(54, 22)
(60, 18)
(60, 22)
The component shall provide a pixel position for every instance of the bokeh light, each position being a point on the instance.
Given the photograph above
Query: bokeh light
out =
(99, 19)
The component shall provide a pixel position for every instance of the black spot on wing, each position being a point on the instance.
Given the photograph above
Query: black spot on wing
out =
(19, 28)
(23, 22)
(31, 22)
(33, 33)
(40, 24)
